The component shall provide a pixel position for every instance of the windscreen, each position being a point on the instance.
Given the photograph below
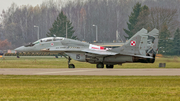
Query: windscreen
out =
(36, 42)
(32, 44)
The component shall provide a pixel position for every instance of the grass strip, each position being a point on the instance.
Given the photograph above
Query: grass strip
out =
(52, 62)
(89, 88)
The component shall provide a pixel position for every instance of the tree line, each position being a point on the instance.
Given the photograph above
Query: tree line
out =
(109, 15)
(161, 18)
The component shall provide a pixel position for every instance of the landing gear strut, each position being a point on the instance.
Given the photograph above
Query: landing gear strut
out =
(69, 60)
(100, 65)
(70, 65)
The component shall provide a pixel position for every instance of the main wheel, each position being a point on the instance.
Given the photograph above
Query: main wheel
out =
(109, 66)
(154, 57)
(100, 65)
(71, 66)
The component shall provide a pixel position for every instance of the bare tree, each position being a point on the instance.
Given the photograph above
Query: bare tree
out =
(160, 16)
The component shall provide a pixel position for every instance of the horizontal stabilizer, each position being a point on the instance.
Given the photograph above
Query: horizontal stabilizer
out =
(148, 57)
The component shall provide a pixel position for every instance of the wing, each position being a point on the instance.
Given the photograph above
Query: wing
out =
(69, 49)
(60, 50)
(99, 52)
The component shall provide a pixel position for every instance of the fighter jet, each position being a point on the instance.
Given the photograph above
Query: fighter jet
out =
(135, 50)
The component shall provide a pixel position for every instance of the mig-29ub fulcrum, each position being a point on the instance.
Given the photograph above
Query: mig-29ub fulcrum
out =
(136, 50)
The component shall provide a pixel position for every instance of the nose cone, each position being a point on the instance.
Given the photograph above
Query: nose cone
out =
(20, 49)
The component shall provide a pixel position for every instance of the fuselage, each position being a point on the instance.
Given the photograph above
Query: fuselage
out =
(72, 48)
(77, 50)
(140, 48)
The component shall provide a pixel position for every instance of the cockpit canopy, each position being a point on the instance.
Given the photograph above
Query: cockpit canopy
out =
(49, 39)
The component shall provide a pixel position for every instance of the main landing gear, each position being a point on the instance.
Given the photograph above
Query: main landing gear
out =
(109, 66)
(70, 65)
(101, 65)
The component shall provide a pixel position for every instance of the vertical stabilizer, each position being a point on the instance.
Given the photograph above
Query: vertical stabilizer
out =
(155, 34)
(137, 45)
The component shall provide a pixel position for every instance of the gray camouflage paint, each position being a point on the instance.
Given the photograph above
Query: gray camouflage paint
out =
(81, 51)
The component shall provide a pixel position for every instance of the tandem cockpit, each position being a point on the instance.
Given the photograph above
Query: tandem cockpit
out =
(40, 44)
(45, 40)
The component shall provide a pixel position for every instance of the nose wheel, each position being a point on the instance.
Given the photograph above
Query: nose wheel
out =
(70, 65)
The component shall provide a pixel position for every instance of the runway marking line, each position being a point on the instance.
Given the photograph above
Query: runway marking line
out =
(67, 71)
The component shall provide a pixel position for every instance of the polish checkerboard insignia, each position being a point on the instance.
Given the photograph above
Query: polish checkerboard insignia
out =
(133, 43)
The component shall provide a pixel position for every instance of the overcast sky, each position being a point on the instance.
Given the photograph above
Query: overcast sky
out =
(5, 4)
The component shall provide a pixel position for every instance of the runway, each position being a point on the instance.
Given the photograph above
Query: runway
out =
(83, 71)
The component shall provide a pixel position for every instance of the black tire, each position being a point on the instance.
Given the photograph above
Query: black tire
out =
(109, 66)
(71, 66)
(154, 57)
(100, 65)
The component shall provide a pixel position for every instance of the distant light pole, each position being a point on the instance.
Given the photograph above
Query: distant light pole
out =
(37, 31)
(96, 32)
(66, 30)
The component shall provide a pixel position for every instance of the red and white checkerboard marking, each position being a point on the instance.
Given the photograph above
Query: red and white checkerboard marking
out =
(133, 43)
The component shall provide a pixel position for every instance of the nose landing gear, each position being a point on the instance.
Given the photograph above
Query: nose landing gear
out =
(70, 65)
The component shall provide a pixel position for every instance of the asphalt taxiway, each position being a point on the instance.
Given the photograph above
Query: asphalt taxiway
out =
(83, 71)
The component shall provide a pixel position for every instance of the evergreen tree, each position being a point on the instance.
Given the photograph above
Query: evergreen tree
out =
(165, 44)
(133, 19)
(176, 42)
(59, 27)
(142, 20)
